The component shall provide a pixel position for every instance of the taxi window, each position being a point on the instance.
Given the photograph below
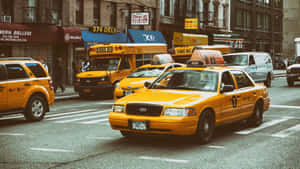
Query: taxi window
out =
(124, 64)
(36, 69)
(242, 79)
(3, 75)
(227, 79)
(15, 71)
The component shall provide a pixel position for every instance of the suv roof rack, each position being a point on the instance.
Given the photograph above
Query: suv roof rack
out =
(16, 58)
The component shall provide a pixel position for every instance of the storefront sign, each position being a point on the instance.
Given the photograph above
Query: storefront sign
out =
(191, 23)
(189, 39)
(103, 29)
(142, 36)
(15, 35)
(232, 40)
(141, 18)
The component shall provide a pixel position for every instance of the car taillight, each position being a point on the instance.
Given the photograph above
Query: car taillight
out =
(51, 84)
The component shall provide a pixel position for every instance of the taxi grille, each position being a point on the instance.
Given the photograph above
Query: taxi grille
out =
(89, 81)
(141, 109)
(295, 70)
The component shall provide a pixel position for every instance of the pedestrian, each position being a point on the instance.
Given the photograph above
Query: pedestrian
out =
(40, 58)
(85, 65)
(58, 75)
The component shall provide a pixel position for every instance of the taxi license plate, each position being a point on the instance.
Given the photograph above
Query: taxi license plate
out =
(128, 93)
(139, 125)
(87, 90)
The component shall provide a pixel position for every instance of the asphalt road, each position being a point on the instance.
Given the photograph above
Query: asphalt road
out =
(76, 134)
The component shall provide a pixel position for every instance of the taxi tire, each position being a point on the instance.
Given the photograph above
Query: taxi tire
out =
(206, 122)
(35, 100)
(290, 83)
(268, 81)
(257, 117)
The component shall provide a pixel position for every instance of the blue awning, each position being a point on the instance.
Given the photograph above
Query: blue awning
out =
(90, 38)
(142, 36)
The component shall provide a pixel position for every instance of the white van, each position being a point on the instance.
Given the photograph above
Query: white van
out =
(258, 65)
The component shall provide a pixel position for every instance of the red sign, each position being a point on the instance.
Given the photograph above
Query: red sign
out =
(141, 18)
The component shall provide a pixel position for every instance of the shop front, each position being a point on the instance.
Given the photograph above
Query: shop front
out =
(21, 40)
(142, 36)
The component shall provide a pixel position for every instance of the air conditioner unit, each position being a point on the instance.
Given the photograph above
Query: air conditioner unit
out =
(6, 19)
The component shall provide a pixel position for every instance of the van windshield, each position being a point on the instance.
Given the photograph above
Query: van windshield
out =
(146, 72)
(105, 64)
(236, 60)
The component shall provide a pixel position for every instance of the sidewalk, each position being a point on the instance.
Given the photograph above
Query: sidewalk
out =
(69, 92)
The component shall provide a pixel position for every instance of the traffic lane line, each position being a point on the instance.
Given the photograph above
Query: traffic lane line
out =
(51, 150)
(163, 159)
(76, 115)
(68, 113)
(285, 106)
(12, 134)
(83, 118)
(287, 132)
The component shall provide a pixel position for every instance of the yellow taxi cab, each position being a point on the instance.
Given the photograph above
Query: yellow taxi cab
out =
(136, 79)
(25, 87)
(191, 100)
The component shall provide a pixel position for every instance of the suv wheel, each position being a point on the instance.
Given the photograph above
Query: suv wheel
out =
(35, 109)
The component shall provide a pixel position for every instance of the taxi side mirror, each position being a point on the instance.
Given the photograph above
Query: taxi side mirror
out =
(147, 84)
(227, 88)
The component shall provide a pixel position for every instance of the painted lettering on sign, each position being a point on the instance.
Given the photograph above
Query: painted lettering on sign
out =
(103, 29)
(149, 37)
(15, 35)
(141, 18)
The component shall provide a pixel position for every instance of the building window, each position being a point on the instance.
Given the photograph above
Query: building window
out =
(259, 21)
(30, 12)
(278, 23)
(277, 3)
(153, 18)
(96, 12)
(56, 12)
(267, 23)
(7, 8)
(113, 15)
(79, 11)
(167, 7)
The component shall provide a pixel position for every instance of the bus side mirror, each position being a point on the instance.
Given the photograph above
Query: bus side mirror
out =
(147, 84)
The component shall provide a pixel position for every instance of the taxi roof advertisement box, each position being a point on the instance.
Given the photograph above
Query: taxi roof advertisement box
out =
(186, 39)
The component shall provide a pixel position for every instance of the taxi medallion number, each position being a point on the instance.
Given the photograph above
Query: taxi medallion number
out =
(139, 125)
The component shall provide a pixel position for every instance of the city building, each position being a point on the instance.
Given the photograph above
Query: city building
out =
(259, 23)
(66, 28)
(291, 27)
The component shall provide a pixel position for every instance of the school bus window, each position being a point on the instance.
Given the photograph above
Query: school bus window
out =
(147, 58)
(105, 64)
(139, 60)
(124, 64)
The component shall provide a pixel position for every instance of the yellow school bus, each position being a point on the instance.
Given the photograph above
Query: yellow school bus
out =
(110, 63)
(184, 53)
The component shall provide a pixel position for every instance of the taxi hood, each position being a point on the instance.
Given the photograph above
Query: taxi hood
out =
(167, 97)
(93, 74)
(135, 82)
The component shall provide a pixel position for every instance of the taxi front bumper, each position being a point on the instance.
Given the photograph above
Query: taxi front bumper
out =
(162, 125)
(93, 89)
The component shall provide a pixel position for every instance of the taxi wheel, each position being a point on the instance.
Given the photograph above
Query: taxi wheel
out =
(268, 81)
(257, 117)
(206, 126)
(35, 109)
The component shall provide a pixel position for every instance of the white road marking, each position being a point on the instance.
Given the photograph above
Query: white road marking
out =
(83, 118)
(51, 150)
(76, 115)
(287, 132)
(285, 106)
(12, 134)
(11, 117)
(216, 147)
(75, 112)
(163, 159)
(100, 138)
(93, 121)
(262, 126)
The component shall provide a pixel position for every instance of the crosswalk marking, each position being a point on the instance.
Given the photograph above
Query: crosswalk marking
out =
(94, 121)
(75, 112)
(83, 118)
(287, 132)
(13, 117)
(76, 115)
(263, 126)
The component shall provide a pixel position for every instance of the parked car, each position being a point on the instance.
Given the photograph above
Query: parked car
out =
(191, 101)
(257, 64)
(25, 87)
(293, 72)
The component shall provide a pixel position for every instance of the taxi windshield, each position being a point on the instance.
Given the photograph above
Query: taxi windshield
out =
(105, 64)
(236, 60)
(146, 72)
(188, 80)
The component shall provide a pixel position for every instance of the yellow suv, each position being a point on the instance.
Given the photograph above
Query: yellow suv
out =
(191, 101)
(25, 87)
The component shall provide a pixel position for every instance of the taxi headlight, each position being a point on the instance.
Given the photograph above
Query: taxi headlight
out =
(180, 112)
(118, 108)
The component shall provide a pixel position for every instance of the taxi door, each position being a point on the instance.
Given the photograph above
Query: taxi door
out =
(18, 83)
(228, 99)
(246, 94)
(3, 89)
